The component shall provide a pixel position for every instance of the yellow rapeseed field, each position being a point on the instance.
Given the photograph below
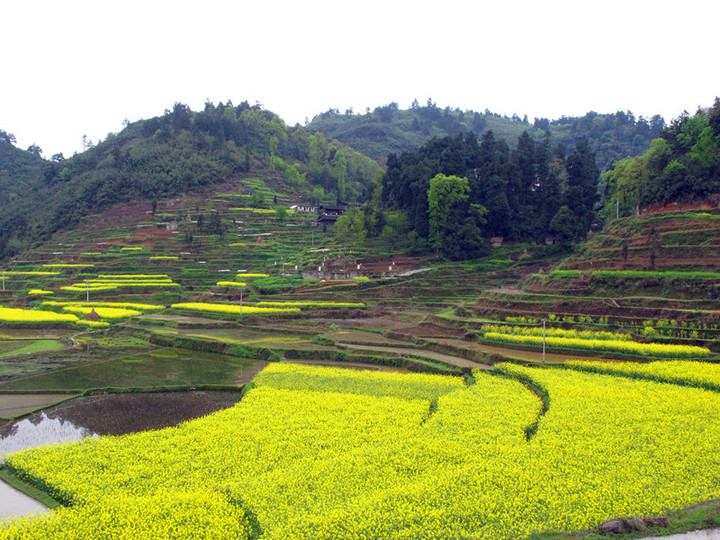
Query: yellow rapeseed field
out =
(233, 309)
(16, 315)
(324, 453)
(700, 374)
(126, 305)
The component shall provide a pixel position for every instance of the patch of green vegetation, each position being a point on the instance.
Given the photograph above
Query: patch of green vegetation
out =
(40, 345)
(37, 494)
(280, 284)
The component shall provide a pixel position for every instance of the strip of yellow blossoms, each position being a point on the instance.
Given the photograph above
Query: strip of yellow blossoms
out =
(665, 350)
(700, 374)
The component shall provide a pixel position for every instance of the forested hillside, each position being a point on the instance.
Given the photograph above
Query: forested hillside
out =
(18, 168)
(389, 129)
(455, 193)
(681, 165)
(171, 154)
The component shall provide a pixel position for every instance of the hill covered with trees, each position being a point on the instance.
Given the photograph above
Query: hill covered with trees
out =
(18, 168)
(391, 130)
(682, 164)
(177, 152)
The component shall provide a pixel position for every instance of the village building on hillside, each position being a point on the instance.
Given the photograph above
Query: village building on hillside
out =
(327, 215)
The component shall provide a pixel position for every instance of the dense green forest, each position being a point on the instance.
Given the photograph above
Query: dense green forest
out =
(391, 130)
(18, 169)
(456, 192)
(174, 153)
(682, 164)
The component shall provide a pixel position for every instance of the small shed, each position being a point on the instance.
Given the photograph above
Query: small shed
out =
(92, 316)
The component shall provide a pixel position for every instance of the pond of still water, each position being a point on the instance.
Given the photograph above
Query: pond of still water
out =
(111, 414)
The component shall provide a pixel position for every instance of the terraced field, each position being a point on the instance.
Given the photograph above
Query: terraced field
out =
(145, 302)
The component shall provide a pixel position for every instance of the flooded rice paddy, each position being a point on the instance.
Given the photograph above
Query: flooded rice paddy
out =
(92, 416)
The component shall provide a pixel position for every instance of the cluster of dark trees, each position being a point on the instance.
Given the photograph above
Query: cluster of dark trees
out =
(683, 163)
(174, 153)
(517, 194)
(455, 193)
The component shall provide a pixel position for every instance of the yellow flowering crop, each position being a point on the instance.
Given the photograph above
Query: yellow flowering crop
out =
(664, 350)
(555, 332)
(39, 292)
(112, 283)
(126, 305)
(82, 287)
(233, 309)
(93, 324)
(15, 315)
(29, 273)
(249, 275)
(329, 379)
(154, 277)
(312, 304)
(231, 284)
(322, 453)
(701, 374)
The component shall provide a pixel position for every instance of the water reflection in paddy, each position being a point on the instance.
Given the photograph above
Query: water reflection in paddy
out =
(111, 414)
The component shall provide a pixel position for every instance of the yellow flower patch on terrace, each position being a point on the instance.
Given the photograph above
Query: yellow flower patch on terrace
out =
(82, 287)
(555, 332)
(39, 292)
(126, 305)
(130, 281)
(664, 350)
(231, 284)
(29, 273)
(110, 283)
(701, 374)
(16, 315)
(93, 324)
(164, 258)
(250, 275)
(131, 249)
(233, 309)
(133, 276)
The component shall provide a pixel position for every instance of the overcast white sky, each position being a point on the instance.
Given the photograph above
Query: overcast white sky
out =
(75, 67)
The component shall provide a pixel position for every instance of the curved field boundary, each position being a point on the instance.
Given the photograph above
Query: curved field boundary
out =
(538, 390)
